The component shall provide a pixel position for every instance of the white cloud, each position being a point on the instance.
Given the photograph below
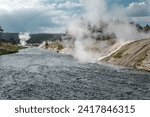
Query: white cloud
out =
(69, 4)
(52, 30)
(141, 19)
(138, 9)
(31, 15)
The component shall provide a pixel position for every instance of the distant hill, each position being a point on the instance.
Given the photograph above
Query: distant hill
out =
(39, 38)
(135, 54)
(35, 38)
(10, 37)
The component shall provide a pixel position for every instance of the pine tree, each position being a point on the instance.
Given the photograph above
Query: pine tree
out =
(1, 31)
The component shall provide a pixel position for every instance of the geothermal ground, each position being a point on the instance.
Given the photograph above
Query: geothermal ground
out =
(35, 73)
(135, 54)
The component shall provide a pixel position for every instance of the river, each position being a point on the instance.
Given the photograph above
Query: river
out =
(35, 73)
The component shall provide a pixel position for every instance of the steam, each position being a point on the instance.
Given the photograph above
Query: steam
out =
(97, 24)
(24, 37)
(95, 10)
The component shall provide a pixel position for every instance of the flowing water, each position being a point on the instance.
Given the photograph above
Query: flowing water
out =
(34, 73)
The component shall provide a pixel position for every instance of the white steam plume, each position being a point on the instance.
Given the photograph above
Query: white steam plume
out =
(95, 10)
(98, 16)
(24, 37)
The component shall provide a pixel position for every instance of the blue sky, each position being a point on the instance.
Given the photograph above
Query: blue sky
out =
(123, 2)
(52, 16)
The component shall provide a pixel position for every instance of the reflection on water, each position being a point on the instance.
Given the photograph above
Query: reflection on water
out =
(40, 74)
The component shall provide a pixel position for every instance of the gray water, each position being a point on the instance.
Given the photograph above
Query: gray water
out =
(41, 74)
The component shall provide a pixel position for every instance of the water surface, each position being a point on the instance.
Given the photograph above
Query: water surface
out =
(41, 74)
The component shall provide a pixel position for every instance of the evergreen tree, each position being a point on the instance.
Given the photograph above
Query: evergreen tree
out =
(1, 31)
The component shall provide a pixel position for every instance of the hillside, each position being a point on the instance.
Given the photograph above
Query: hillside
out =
(135, 54)
(39, 38)
(10, 38)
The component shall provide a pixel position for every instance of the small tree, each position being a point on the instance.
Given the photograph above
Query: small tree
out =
(147, 28)
(139, 27)
(1, 31)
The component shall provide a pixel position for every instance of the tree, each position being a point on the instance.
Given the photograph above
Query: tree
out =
(139, 27)
(1, 31)
(147, 28)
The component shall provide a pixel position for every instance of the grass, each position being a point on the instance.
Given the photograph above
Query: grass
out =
(118, 55)
(8, 48)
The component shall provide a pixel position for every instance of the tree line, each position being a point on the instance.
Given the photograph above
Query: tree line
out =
(141, 28)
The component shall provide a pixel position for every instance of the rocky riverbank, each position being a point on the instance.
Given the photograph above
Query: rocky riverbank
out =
(135, 54)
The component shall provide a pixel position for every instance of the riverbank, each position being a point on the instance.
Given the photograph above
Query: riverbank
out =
(135, 54)
(8, 48)
(56, 46)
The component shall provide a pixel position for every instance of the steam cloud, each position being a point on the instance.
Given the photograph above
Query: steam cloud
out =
(99, 21)
(24, 37)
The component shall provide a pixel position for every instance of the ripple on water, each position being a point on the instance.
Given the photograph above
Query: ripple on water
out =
(41, 74)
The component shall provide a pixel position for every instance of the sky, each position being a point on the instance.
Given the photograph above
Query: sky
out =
(53, 16)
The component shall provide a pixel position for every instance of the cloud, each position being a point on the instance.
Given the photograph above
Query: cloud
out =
(142, 20)
(32, 15)
(52, 30)
(138, 9)
(69, 4)
(146, 19)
